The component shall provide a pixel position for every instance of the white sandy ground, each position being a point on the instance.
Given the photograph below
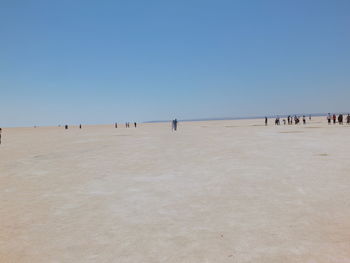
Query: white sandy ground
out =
(218, 191)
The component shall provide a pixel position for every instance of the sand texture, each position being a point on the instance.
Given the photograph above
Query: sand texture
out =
(215, 191)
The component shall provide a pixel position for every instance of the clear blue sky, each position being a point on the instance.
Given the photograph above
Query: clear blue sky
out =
(81, 61)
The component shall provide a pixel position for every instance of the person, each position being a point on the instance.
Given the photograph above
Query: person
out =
(174, 125)
(277, 121)
(135, 124)
(348, 119)
(296, 120)
(304, 120)
(66, 127)
(329, 118)
(0, 134)
(116, 125)
(80, 126)
(288, 118)
(340, 119)
(310, 117)
(265, 121)
(284, 121)
(334, 118)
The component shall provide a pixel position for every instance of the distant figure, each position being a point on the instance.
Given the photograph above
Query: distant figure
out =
(296, 119)
(304, 120)
(80, 126)
(126, 125)
(265, 121)
(288, 118)
(329, 118)
(348, 119)
(284, 121)
(0, 134)
(277, 121)
(340, 119)
(174, 126)
(334, 118)
(66, 127)
(310, 117)
(116, 125)
(135, 124)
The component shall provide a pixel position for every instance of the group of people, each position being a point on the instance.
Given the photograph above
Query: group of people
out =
(296, 119)
(66, 126)
(127, 125)
(339, 118)
(289, 120)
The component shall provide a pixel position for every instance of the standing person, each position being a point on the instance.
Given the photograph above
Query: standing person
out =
(310, 117)
(80, 126)
(329, 118)
(340, 119)
(115, 125)
(175, 124)
(334, 118)
(304, 120)
(66, 127)
(0, 134)
(265, 121)
(284, 121)
(348, 119)
(135, 124)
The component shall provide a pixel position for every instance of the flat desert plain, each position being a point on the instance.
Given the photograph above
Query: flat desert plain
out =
(214, 191)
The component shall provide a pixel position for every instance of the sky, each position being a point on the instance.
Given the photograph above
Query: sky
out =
(94, 62)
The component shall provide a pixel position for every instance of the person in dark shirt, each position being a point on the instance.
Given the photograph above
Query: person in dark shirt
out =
(340, 119)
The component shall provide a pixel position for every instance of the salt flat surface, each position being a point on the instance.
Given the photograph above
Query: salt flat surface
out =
(215, 191)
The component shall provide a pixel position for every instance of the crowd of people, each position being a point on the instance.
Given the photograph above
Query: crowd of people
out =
(340, 119)
(290, 120)
(297, 119)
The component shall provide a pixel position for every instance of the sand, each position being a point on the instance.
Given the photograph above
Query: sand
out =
(215, 191)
